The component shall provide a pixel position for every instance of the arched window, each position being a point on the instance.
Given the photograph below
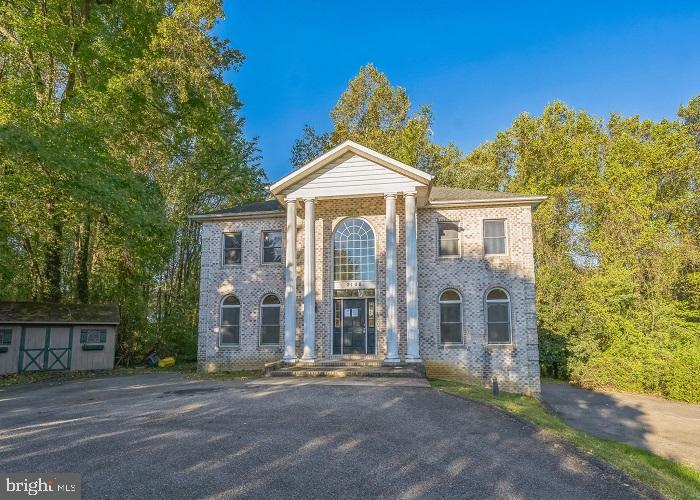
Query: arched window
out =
(353, 251)
(450, 317)
(498, 316)
(230, 328)
(270, 320)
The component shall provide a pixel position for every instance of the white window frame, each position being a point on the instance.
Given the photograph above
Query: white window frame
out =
(484, 237)
(262, 247)
(488, 301)
(459, 240)
(461, 316)
(221, 318)
(223, 248)
(279, 320)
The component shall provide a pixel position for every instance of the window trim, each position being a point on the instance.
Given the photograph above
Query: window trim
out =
(461, 316)
(262, 247)
(6, 332)
(510, 315)
(223, 248)
(459, 241)
(87, 331)
(221, 317)
(505, 237)
(279, 320)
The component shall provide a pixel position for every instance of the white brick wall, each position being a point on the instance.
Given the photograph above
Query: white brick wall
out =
(516, 366)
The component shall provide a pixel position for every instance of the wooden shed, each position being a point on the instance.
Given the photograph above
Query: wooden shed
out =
(41, 337)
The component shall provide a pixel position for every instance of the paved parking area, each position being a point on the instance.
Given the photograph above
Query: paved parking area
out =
(668, 428)
(160, 436)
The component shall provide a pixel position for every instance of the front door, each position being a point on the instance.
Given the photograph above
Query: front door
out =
(354, 327)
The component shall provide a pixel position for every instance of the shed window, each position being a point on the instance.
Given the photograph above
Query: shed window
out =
(230, 328)
(450, 317)
(270, 320)
(498, 316)
(495, 237)
(93, 336)
(5, 336)
(271, 247)
(448, 239)
(233, 248)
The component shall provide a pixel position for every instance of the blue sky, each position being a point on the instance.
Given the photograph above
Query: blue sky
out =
(479, 64)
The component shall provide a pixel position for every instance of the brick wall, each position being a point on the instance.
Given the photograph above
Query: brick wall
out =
(515, 365)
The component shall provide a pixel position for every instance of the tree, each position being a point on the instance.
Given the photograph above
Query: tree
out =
(115, 124)
(375, 114)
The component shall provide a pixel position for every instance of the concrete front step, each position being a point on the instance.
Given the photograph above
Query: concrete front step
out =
(349, 371)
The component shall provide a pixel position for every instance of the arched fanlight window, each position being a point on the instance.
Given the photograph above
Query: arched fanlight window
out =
(353, 251)
(230, 327)
(498, 316)
(450, 317)
(270, 320)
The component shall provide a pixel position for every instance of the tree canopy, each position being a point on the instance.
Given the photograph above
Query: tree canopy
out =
(115, 124)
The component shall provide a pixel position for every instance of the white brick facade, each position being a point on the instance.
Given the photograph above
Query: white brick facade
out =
(514, 365)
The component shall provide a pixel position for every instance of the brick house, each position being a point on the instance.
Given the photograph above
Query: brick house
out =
(360, 255)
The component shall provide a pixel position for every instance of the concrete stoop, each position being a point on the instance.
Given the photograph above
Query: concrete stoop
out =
(349, 368)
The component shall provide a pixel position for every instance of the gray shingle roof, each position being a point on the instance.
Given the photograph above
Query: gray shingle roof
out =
(42, 312)
(447, 194)
(259, 206)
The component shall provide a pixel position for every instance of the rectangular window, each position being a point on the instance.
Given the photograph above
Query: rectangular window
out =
(230, 326)
(271, 247)
(451, 323)
(93, 336)
(270, 325)
(233, 248)
(495, 237)
(5, 336)
(448, 239)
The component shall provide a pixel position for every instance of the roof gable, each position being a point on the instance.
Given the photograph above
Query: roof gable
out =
(337, 156)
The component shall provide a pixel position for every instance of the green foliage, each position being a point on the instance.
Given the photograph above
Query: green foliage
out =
(617, 244)
(115, 125)
(375, 114)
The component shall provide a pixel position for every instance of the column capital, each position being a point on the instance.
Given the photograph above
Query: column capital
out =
(290, 201)
(389, 195)
(309, 199)
(411, 194)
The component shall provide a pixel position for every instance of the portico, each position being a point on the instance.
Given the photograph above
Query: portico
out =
(354, 267)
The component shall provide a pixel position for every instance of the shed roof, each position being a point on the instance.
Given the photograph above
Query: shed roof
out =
(42, 312)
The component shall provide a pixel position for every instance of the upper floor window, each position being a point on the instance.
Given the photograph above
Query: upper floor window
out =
(353, 251)
(230, 327)
(495, 237)
(5, 336)
(271, 247)
(233, 248)
(498, 316)
(270, 320)
(448, 239)
(450, 317)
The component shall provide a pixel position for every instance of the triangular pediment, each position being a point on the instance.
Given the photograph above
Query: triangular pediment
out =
(350, 169)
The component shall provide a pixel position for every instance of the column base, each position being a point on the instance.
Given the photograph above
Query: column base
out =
(391, 361)
(413, 359)
(306, 361)
(290, 360)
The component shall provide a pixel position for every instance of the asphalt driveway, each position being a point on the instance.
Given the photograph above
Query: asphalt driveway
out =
(668, 428)
(156, 436)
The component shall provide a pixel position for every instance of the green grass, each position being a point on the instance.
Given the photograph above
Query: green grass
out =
(188, 370)
(670, 478)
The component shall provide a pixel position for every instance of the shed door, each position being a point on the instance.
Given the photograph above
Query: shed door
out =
(45, 348)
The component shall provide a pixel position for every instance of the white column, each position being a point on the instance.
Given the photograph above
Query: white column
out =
(309, 281)
(290, 289)
(392, 340)
(412, 349)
